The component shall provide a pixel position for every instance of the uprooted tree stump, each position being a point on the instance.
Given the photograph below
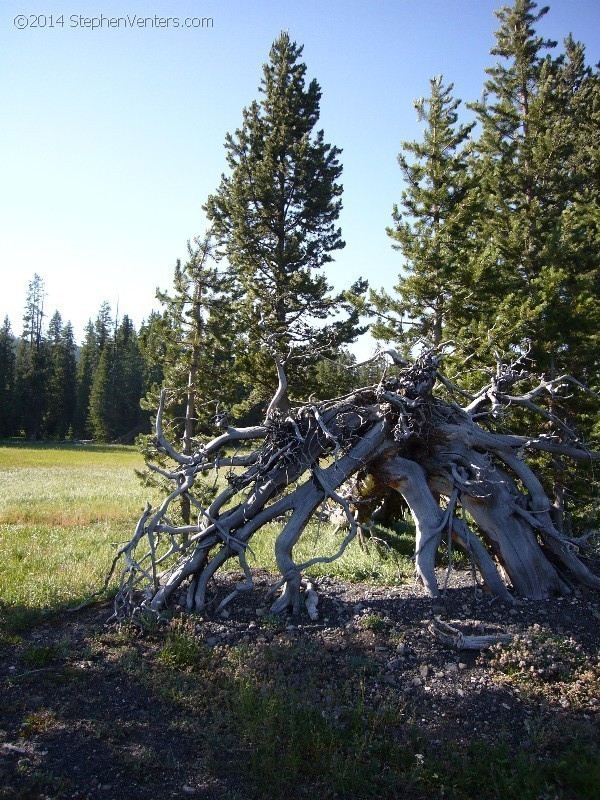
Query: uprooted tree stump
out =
(460, 474)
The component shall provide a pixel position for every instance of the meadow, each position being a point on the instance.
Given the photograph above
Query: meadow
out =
(66, 508)
(63, 511)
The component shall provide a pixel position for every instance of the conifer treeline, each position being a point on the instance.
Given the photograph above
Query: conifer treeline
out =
(50, 389)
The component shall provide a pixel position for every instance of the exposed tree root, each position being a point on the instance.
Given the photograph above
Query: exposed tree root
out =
(453, 637)
(460, 478)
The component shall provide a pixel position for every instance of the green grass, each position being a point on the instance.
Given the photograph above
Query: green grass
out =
(63, 511)
(286, 737)
(373, 564)
(68, 485)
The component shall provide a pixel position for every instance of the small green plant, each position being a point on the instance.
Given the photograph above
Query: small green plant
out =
(39, 656)
(373, 622)
(272, 622)
(538, 657)
(363, 666)
(39, 722)
(182, 650)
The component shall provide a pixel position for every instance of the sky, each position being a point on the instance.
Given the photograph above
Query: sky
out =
(111, 138)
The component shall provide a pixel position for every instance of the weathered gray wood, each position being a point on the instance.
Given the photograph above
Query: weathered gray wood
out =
(455, 475)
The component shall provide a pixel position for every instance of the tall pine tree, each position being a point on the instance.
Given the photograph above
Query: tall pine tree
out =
(31, 367)
(275, 216)
(531, 278)
(430, 226)
(62, 378)
(86, 368)
(7, 380)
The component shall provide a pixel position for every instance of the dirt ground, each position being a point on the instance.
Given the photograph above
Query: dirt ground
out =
(90, 711)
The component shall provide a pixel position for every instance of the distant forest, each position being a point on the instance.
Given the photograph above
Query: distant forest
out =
(498, 233)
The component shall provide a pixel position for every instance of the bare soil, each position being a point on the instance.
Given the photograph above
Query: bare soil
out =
(95, 711)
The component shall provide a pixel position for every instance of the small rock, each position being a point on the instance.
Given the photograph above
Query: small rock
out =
(513, 612)
(224, 614)
(424, 670)
(212, 641)
(260, 612)
(462, 665)
(395, 663)
(188, 790)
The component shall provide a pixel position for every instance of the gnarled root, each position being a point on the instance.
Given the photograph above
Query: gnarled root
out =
(461, 481)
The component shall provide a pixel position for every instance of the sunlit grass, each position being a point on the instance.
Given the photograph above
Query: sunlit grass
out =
(68, 485)
(64, 510)
(374, 563)
(47, 566)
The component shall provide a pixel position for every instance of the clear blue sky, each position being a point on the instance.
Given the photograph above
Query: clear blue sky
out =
(111, 139)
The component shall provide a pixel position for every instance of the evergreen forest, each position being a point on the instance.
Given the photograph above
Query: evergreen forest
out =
(497, 232)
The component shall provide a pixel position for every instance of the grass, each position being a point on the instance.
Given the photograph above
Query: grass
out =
(373, 564)
(63, 511)
(68, 485)
(285, 736)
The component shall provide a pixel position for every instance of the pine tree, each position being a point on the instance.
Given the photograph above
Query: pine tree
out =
(31, 366)
(62, 378)
(275, 217)
(7, 380)
(103, 326)
(114, 406)
(430, 227)
(128, 381)
(195, 338)
(98, 336)
(577, 304)
(101, 408)
(526, 136)
(86, 368)
(153, 349)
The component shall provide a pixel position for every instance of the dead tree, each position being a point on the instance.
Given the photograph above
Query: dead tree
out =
(459, 470)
